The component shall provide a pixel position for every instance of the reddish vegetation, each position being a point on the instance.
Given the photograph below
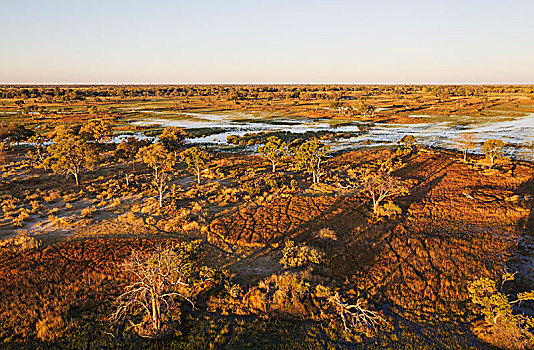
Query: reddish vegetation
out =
(459, 221)
(274, 220)
(455, 227)
(62, 277)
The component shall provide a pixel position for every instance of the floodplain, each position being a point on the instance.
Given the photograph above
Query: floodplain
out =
(297, 216)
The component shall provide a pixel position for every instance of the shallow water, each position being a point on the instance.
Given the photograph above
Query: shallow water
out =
(517, 132)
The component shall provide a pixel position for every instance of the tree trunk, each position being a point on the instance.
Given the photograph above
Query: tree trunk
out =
(274, 167)
(76, 178)
(375, 207)
(158, 313)
(375, 202)
(155, 318)
(198, 177)
(465, 155)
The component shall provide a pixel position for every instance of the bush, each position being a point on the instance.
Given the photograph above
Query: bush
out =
(297, 256)
(389, 210)
(20, 243)
(327, 234)
(501, 327)
(87, 212)
(8, 206)
(233, 290)
(52, 196)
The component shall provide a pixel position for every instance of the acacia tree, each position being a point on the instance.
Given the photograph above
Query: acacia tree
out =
(366, 109)
(172, 138)
(129, 148)
(466, 141)
(274, 150)
(158, 158)
(309, 157)
(157, 279)
(379, 184)
(71, 154)
(161, 161)
(95, 130)
(504, 326)
(196, 160)
(492, 148)
(37, 154)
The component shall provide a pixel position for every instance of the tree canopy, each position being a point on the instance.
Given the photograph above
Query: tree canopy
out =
(196, 159)
(71, 154)
(158, 158)
(172, 138)
(274, 150)
(95, 130)
(15, 133)
(309, 157)
(492, 148)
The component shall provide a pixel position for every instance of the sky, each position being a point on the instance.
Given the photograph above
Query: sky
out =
(261, 41)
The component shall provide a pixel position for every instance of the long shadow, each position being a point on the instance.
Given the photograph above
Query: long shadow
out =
(388, 257)
(527, 226)
(522, 255)
(288, 221)
(385, 261)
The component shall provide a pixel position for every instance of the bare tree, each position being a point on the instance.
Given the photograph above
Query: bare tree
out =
(157, 279)
(354, 315)
(466, 141)
(127, 177)
(379, 184)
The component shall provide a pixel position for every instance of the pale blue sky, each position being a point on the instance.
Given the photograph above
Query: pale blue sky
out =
(291, 41)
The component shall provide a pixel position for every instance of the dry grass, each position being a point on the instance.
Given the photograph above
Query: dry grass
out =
(457, 223)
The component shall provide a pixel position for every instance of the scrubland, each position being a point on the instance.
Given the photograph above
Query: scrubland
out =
(266, 259)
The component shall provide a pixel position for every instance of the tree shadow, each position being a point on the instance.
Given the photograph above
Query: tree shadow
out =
(415, 262)
(527, 188)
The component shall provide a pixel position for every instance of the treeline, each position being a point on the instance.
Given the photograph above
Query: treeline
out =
(234, 92)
